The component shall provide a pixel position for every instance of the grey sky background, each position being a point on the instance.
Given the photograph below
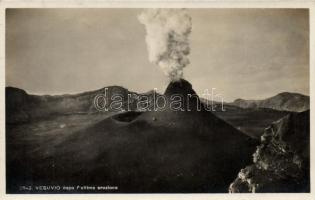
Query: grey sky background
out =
(243, 53)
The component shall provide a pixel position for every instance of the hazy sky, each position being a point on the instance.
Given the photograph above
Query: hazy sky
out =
(243, 53)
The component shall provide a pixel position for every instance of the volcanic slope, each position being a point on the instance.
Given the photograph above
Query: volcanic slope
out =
(156, 151)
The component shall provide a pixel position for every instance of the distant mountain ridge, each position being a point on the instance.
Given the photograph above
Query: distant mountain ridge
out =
(23, 107)
(284, 101)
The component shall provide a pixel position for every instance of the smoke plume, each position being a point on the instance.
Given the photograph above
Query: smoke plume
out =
(167, 39)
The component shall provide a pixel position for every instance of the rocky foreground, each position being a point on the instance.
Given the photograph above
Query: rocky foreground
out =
(281, 162)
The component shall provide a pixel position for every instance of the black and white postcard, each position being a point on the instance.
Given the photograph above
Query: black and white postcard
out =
(172, 100)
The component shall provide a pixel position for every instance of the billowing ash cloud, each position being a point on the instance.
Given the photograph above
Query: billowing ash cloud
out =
(167, 39)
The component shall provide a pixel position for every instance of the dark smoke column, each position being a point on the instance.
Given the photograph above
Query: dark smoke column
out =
(167, 39)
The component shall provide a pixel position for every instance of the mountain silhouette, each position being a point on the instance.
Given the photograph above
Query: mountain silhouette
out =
(284, 101)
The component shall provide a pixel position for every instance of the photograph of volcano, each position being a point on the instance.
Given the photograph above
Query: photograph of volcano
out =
(164, 100)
